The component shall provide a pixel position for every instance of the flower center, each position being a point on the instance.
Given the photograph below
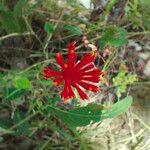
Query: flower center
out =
(70, 74)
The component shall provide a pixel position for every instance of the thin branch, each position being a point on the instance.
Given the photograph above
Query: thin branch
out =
(31, 30)
(15, 34)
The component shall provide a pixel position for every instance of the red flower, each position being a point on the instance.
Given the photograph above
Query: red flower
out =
(80, 75)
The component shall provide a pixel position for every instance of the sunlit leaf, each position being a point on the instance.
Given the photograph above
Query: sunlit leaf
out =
(22, 82)
(119, 107)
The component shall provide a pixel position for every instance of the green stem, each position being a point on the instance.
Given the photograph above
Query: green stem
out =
(15, 34)
(35, 65)
(51, 34)
(24, 120)
(110, 60)
(45, 144)
(109, 7)
(132, 34)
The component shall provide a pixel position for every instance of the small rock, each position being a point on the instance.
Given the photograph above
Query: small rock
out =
(123, 147)
(147, 69)
(144, 56)
(86, 4)
(134, 44)
(147, 46)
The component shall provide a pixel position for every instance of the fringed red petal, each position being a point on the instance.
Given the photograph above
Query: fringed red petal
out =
(71, 60)
(48, 73)
(71, 47)
(96, 72)
(67, 92)
(93, 78)
(75, 75)
(88, 86)
(82, 95)
(60, 60)
(88, 67)
(64, 92)
(70, 92)
(57, 81)
(88, 58)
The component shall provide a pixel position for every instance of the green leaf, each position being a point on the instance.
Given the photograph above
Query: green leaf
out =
(3, 6)
(79, 116)
(23, 129)
(74, 29)
(91, 113)
(1, 76)
(22, 82)
(48, 27)
(84, 21)
(119, 107)
(122, 80)
(113, 37)
(19, 7)
(25, 7)
(11, 23)
(5, 122)
(13, 93)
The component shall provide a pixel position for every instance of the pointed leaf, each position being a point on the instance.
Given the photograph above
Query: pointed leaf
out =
(48, 27)
(91, 113)
(74, 29)
(113, 37)
(119, 108)
(22, 82)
